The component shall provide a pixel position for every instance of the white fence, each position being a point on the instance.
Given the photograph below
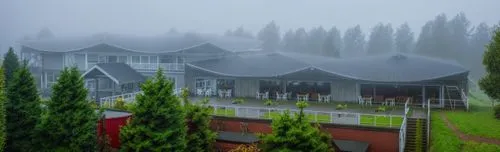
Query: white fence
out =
(314, 116)
(465, 99)
(155, 66)
(402, 130)
(127, 97)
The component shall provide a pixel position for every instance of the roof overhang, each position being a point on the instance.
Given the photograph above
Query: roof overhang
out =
(97, 68)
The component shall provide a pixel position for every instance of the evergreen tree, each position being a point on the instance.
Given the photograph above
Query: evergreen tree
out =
(478, 42)
(300, 40)
(199, 135)
(333, 43)
(45, 33)
(297, 134)
(354, 42)
(10, 65)
(459, 28)
(240, 32)
(315, 40)
(70, 123)
(424, 42)
(404, 39)
(270, 37)
(3, 99)
(381, 40)
(288, 42)
(23, 111)
(159, 119)
(491, 82)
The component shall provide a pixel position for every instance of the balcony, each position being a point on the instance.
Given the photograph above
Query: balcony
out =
(171, 67)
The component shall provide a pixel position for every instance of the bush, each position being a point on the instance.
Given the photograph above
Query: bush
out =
(238, 101)
(341, 106)
(119, 104)
(381, 109)
(497, 111)
(268, 102)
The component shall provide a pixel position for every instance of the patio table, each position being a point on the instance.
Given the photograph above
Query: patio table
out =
(324, 98)
(390, 101)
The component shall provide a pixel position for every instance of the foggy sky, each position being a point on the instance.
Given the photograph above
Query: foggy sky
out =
(153, 17)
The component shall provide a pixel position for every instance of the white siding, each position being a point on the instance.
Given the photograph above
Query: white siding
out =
(344, 90)
(246, 87)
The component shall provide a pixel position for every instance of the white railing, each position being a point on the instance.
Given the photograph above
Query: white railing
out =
(402, 130)
(315, 116)
(465, 99)
(155, 66)
(127, 97)
(428, 125)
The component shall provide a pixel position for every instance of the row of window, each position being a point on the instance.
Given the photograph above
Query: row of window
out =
(93, 58)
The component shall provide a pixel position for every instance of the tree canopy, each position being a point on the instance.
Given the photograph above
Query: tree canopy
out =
(491, 82)
(159, 119)
(381, 40)
(3, 99)
(10, 65)
(296, 134)
(270, 37)
(23, 111)
(199, 137)
(404, 39)
(354, 42)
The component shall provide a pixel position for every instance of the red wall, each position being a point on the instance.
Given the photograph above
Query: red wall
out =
(112, 126)
(380, 139)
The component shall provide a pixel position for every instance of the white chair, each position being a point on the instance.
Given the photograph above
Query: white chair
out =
(368, 101)
(265, 96)
(327, 100)
(228, 93)
(285, 96)
(199, 92)
(258, 97)
(221, 93)
(360, 100)
(208, 92)
(278, 96)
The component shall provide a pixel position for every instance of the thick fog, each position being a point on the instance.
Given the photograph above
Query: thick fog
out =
(67, 18)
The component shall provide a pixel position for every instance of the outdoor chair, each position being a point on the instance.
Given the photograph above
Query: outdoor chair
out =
(221, 93)
(368, 100)
(199, 92)
(258, 96)
(265, 96)
(278, 96)
(360, 100)
(208, 92)
(285, 96)
(228, 93)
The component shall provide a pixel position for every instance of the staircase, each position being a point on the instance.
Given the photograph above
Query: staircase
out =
(416, 140)
(454, 98)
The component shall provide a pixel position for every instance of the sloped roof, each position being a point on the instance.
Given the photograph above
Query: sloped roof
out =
(394, 67)
(153, 44)
(120, 73)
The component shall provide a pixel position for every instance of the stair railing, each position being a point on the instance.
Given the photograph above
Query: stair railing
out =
(402, 130)
(428, 125)
(465, 99)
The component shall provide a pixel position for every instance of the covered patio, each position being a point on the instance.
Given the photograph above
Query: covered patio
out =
(377, 80)
(109, 79)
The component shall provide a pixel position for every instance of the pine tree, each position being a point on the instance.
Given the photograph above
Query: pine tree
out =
(270, 37)
(199, 135)
(491, 82)
(23, 111)
(3, 99)
(159, 119)
(10, 65)
(354, 42)
(297, 134)
(381, 40)
(404, 38)
(70, 123)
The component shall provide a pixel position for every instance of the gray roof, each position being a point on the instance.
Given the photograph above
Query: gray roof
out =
(394, 67)
(152, 44)
(237, 137)
(121, 73)
(116, 114)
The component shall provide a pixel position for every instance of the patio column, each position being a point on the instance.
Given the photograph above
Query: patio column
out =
(283, 85)
(441, 96)
(97, 91)
(423, 95)
(374, 91)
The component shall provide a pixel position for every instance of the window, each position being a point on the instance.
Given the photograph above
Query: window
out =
(153, 59)
(102, 59)
(180, 59)
(112, 59)
(144, 59)
(167, 59)
(122, 59)
(92, 58)
(136, 59)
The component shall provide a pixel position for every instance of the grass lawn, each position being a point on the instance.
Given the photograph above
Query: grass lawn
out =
(480, 147)
(324, 118)
(381, 121)
(443, 139)
(480, 122)
(225, 112)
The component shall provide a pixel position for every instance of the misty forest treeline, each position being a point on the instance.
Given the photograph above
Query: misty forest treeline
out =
(448, 38)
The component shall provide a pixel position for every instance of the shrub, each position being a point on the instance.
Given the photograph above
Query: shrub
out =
(268, 102)
(497, 111)
(381, 109)
(119, 104)
(341, 106)
(238, 101)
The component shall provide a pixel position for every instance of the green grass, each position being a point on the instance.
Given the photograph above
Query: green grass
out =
(381, 121)
(224, 112)
(442, 138)
(480, 147)
(324, 118)
(479, 122)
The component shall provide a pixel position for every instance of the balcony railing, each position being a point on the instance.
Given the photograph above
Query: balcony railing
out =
(154, 66)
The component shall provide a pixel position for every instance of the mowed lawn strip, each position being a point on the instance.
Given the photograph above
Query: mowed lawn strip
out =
(443, 139)
(478, 123)
(381, 121)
